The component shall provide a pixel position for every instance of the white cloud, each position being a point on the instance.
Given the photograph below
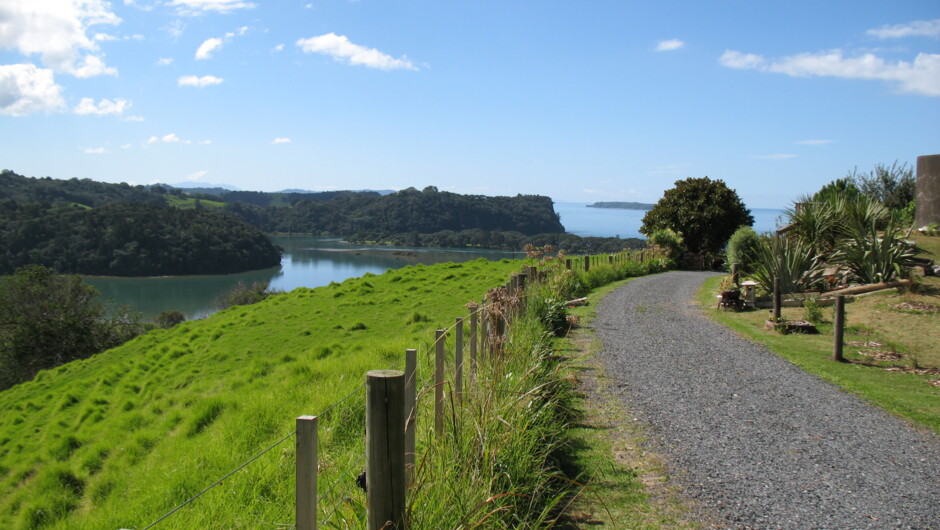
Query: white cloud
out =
(278, 48)
(781, 156)
(57, 30)
(922, 76)
(126, 146)
(105, 106)
(669, 45)
(164, 61)
(199, 7)
(206, 48)
(341, 49)
(26, 89)
(918, 28)
(167, 139)
(814, 142)
(104, 37)
(734, 59)
(195, 177)
(205, 142)
(281, 141)
(94, 150)
(191, 80)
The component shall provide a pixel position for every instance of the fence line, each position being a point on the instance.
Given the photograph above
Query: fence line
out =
(489, 325)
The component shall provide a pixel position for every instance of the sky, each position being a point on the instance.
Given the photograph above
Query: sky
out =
(581, 101)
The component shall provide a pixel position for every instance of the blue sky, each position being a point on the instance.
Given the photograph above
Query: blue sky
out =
(581, 101)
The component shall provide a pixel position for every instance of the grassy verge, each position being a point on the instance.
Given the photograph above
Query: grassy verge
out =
(625, 484)
(892, 351)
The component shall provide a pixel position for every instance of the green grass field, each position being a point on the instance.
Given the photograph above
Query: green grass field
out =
(117, 440)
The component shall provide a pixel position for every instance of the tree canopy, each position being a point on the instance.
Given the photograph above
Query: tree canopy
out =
(704, 212)
(130, 239)
(47, 320)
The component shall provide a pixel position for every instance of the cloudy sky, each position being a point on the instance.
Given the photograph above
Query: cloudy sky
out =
(581, 101)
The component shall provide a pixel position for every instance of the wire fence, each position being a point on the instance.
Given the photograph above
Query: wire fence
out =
(342, 503)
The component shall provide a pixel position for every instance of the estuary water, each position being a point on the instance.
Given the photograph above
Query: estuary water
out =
(314, 262)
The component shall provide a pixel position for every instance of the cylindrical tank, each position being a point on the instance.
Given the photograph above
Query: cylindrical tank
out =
(928, 190)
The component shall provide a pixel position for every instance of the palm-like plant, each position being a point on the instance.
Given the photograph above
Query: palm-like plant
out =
(792, 260)
(873, 257)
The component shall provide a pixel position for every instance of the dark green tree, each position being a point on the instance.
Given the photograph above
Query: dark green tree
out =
(894, 186)
(839, 188)
(704, 212)
(47, 320)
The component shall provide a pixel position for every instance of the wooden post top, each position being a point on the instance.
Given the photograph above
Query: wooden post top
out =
(385, 373)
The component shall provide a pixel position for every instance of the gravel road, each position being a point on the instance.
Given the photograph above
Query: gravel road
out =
(752, 439)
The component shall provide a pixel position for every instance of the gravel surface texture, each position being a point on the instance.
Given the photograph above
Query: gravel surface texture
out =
(752, 439)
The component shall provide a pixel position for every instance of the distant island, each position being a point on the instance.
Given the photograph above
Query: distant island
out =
(622, 205)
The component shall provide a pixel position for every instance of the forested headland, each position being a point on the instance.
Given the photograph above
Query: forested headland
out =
(88, 227)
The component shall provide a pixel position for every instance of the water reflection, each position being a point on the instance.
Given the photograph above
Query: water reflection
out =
(307, 262)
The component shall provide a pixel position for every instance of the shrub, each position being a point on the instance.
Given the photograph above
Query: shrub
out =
(243, 294)
(741, 248)
(170, 318)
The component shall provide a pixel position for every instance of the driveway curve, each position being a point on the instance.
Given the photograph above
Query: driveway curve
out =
(755, 441)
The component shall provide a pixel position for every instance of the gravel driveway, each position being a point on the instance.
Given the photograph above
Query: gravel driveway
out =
(752, 439)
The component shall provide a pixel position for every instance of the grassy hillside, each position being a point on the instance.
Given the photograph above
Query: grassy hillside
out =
(117, 440)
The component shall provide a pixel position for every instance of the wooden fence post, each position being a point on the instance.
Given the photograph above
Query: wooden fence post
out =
(610, 259)
(473, 344)
(439, 382)
(587, 263)
(839, 330)
(458, 358)
(305, 501)
(385, 449)
(484, 331)
(411, 418)
(734, 273)
(568, 264)
(777, 296)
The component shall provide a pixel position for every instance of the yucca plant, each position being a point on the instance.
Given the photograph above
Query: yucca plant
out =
(871, 256)
(791, 260)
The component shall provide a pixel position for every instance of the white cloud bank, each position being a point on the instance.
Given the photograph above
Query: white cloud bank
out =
(207, 48)
(282, 141)
(669, 45)
(105, 106)
(57, 30)
(341, 49)
(26, 89)
(918, 28)
(204, 81)
(922, 76)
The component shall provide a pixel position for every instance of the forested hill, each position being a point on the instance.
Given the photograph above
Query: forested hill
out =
(407, 211)
(22, 190)
(130, 239)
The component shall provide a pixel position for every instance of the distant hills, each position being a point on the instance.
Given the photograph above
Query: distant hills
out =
(622, 205)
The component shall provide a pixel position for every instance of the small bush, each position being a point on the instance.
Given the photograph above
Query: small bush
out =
(243, 294)
(811, 311)
(170, 318)
(742, 248)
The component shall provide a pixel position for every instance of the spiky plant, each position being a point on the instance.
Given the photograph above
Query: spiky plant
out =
(791, 260)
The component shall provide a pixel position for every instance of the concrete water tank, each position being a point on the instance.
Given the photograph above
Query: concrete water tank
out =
(928, 190)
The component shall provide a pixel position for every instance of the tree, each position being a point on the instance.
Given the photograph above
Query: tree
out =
(893, 186)
(47, 320)
(704, 212)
